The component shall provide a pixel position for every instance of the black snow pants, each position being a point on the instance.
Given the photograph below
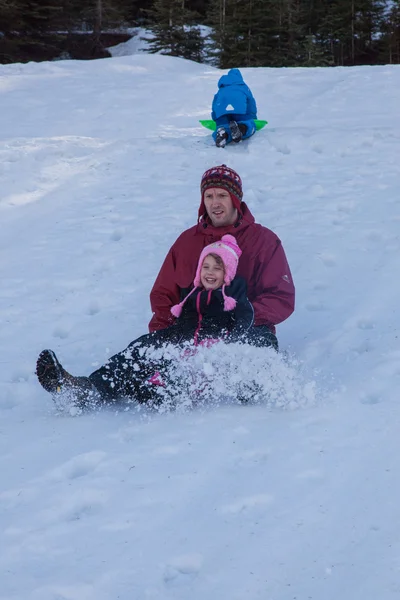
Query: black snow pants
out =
(127, 374)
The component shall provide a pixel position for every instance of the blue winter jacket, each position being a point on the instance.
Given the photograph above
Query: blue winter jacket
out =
(233, 97)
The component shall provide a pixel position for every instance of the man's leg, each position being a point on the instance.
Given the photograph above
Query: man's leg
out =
(261, 337)
(57, 381)
(132, 373)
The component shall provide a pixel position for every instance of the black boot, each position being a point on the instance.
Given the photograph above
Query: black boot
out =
(235, 132)
(221, 138)
(56, 380)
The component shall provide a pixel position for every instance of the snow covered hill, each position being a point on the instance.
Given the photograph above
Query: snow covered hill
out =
(100, 165)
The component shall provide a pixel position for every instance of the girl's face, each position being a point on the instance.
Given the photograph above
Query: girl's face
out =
(212, 273)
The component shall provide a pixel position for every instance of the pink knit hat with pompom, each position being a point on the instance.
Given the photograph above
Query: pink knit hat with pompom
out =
(229, 252)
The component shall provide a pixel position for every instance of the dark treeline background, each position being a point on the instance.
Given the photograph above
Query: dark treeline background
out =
(223, 32)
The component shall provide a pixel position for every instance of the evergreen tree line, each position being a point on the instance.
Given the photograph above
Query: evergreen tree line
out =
(276, 33)
(35, 17)
(50, 29)
(247, 33)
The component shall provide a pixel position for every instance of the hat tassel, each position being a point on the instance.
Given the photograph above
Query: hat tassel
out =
(176, 310)
(229, 302)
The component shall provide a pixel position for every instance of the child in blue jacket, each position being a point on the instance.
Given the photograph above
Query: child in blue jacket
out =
(233, 109)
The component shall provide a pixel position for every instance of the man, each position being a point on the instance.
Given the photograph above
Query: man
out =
(263, 262)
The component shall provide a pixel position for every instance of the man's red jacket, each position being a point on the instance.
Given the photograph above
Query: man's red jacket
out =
(263, 265)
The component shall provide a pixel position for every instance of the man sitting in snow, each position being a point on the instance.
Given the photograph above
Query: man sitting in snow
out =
(190, 294)
(233, 109)
(263, 263)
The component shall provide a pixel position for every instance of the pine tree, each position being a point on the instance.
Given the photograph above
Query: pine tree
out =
(96, 15)
(8, 15)
(390, 47)
(267, 33)
(37, 16)
(174, 30)
(316, 44)
(335, 29)
(244, 32)
(369, 19)
(352, 29)
(316, 52)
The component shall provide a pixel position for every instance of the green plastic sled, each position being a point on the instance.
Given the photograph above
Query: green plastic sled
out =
(210, 124)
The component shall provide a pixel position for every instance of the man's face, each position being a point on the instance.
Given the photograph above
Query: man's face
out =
(219, 207)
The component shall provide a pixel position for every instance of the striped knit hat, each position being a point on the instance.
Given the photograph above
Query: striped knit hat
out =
(221, 177)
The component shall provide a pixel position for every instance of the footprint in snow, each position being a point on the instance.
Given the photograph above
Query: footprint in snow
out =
(315, 305)
(247, 503)
(338, 221)
(62, 591)
(317, 191)
(283, 149)
(8, 401)
(310, 475)
(167, 450)
(368, 142)
(241, 430)
(329, 260)
(74, 506)
(187, 565)
(252, 458)
(346, 207)
(117, 235)
(371, 398)
(320, 286)
(60, 332)
(374, 236)
(365, 324)
(363, 348)
(93, 308)
(79, 466)
(317, 148)
(305, 170)
(20, 375)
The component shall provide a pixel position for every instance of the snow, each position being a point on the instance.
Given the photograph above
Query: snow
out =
(139, 42)
(298, 499)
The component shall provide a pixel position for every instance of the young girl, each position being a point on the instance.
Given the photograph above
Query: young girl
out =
(214, 308)
(210, 309)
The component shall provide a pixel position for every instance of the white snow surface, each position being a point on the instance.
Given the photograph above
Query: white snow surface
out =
(139, 42)
(294, 498)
